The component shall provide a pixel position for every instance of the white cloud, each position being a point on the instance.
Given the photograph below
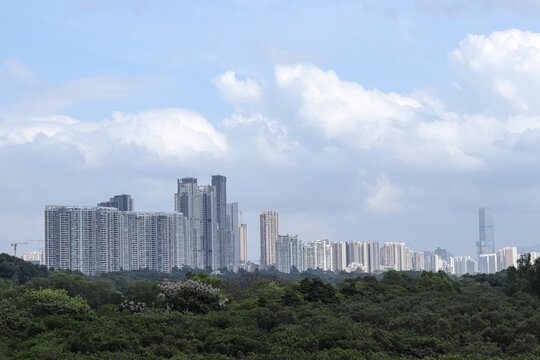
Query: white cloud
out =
(167, 134)
(174, 133)
(502, 65)
(272, 126)
(237, 91)
(14, 69)
(345, 110)
(384, 197)
(415, 129)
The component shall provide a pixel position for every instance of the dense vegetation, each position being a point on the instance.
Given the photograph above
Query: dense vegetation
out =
(141, 315)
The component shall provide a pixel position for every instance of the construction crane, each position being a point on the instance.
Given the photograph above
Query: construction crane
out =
(15, 247)
(22, 243)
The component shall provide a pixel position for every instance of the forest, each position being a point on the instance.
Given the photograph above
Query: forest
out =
(47, 314)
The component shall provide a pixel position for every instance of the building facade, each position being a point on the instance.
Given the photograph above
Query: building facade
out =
(102, 239)
(122, 202)
(486, 233)
(506, 257)
(269, 231)
(243, 244)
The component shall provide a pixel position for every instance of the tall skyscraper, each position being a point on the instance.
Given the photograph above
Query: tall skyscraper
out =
(212, 241)
(232, 243)
(199, 205)
(269, 230)
(220, 183)
(486, 241)
(224, 236)
(188, 201)
(122, 202)
(243, 244)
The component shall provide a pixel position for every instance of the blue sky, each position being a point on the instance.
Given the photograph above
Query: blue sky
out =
(356, 120)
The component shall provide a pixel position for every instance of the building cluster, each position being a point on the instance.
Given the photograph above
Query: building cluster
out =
(287, 253)
(202, 232)
(206, 232)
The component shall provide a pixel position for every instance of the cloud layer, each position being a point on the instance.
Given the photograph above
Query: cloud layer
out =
(327, 152)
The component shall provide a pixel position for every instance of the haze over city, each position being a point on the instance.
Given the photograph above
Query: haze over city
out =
(355, 121)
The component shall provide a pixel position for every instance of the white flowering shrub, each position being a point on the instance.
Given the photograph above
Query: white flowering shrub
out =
(190, 296)
(135, 307)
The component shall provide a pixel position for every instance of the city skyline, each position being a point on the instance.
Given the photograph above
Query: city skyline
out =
(204, 231)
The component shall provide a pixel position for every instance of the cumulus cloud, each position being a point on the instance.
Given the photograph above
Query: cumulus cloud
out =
(340, 109)
(167, 134)
(504, 65)
(237, 91)
(384, 197)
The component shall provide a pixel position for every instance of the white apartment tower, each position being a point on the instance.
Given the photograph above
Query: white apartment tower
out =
(269, 230)
(101, 239)
(393, 256)
(339, 256)
(289, 253)
(506, 257)
(243, 244)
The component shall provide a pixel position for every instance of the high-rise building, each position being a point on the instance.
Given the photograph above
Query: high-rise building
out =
(232, 244)
(339, 256)
(487, 263)
(443, 253)
(463, 264)
(393, 256)
(506, 257)
(366, 253)
(318, 255)
(289, 253)
(408, 259)
(243, 244)
(102, 239)
(212, 242)
(122, 202)
(188, 201)
(418, 263)
(199, 205)
(437, 263)
(220, 183)
(223, 233)
(269, 230)
(486, 240)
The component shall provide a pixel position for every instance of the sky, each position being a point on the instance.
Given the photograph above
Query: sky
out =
(355, 120)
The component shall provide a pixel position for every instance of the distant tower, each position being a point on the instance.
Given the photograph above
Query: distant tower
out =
(220, 183)
(122, 202)
(486, 240)
(243, 243)
(269, 230)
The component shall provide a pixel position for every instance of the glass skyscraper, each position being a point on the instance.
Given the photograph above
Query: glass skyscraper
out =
(486, 240)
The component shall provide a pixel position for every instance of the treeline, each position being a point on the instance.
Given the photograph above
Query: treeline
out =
(266, 315)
